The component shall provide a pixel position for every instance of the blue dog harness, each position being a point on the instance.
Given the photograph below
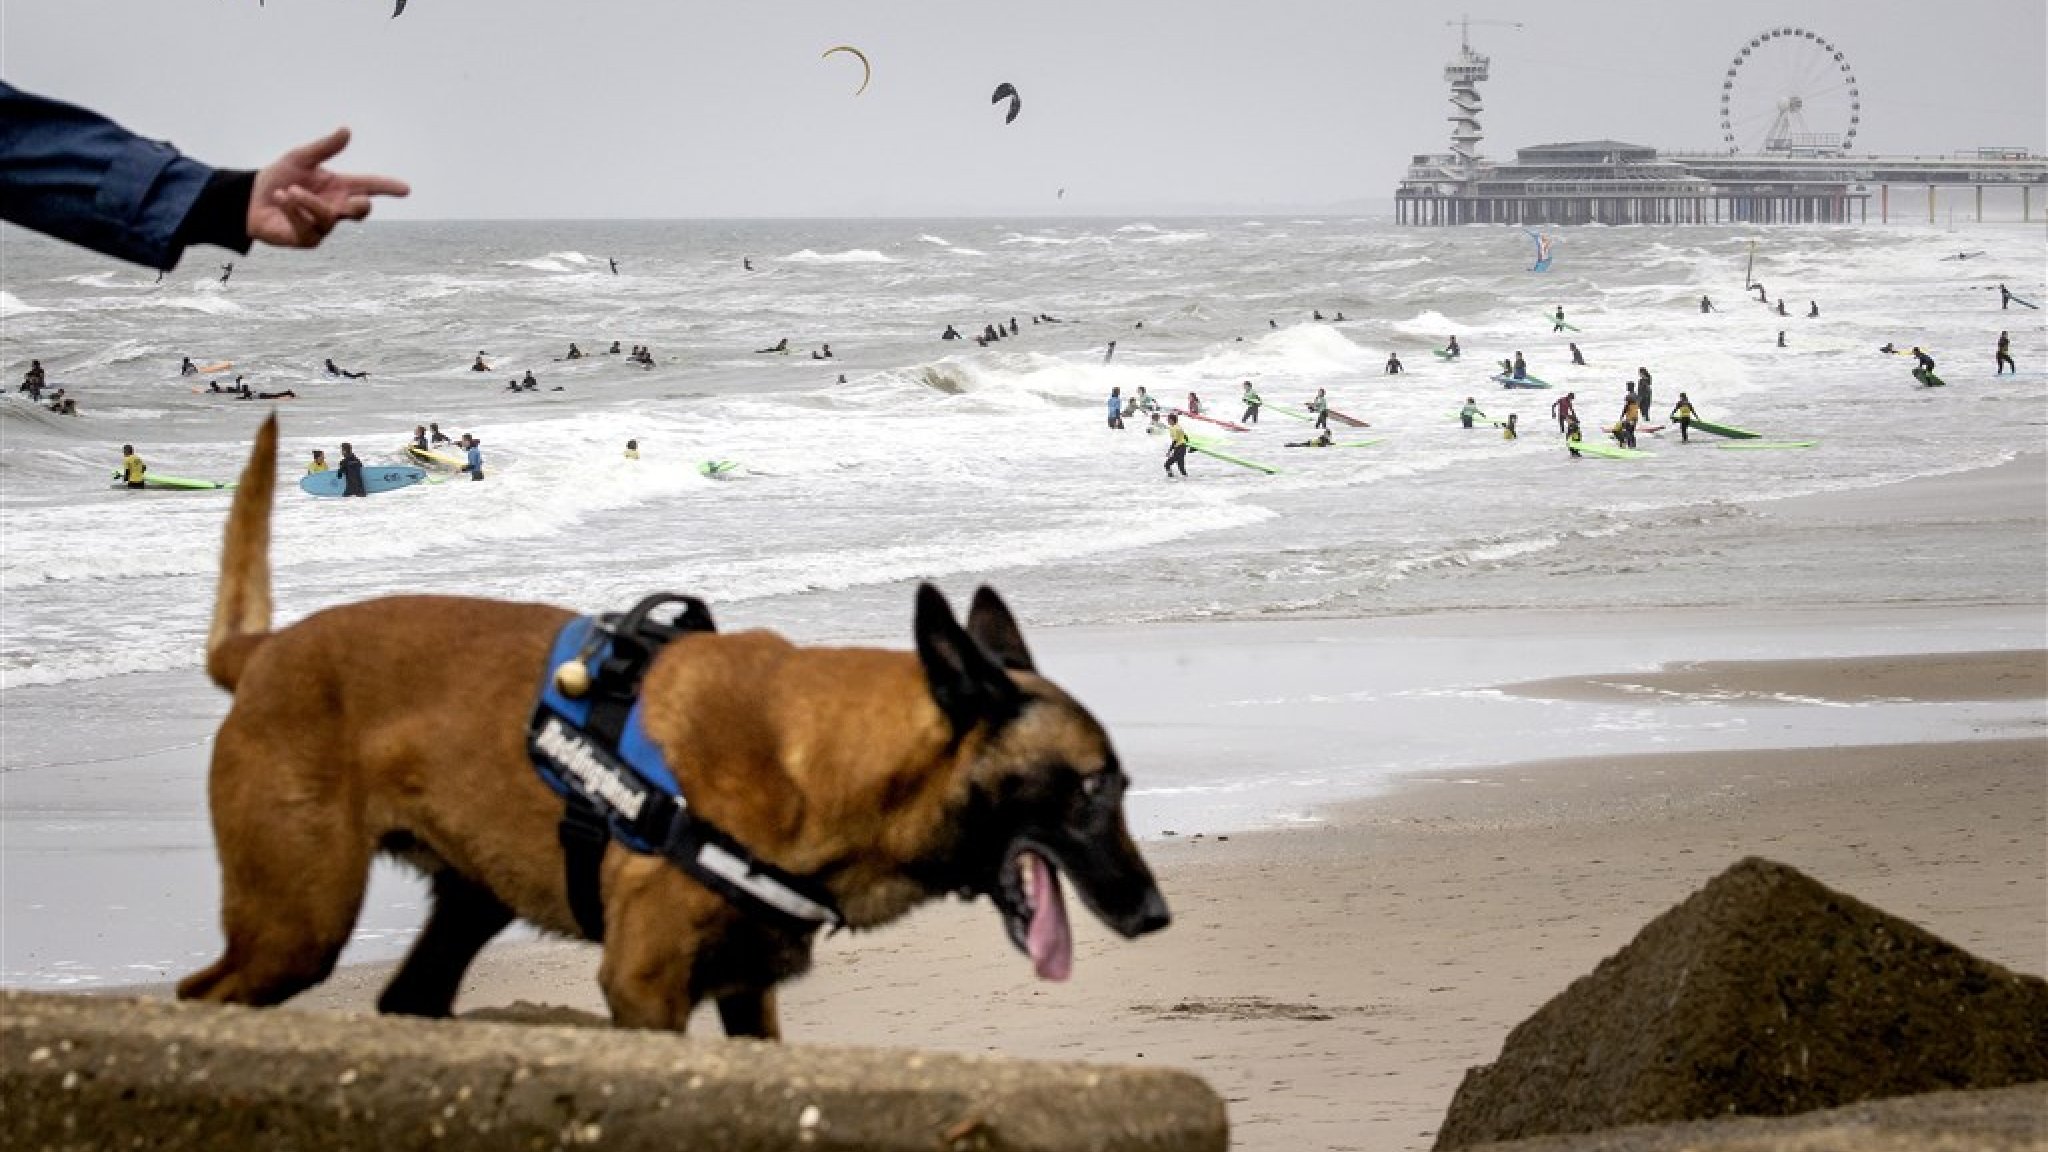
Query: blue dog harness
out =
(587, 742)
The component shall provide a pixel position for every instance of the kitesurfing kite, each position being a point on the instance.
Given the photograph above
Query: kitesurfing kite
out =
(1542, 251)
(1006, 91)
(866, 71)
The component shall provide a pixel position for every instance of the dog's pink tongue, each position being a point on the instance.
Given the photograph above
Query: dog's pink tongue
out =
(1050, 941)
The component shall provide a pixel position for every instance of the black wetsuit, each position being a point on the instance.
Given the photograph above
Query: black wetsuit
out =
(352, 476)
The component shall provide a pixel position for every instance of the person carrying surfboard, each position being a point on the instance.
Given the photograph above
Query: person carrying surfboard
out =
(1321, 407)
(1470, 412)
(1251, 405)
(1684, 415)
(351, 472)
(1176, 447)
(132, 467)
(1557, 321)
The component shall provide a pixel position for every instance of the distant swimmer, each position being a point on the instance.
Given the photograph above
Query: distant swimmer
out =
(1393, 364)
(343, 372)
(473, 456)
(1176, 447)
(287, 394)
(1781, 307)
(1578, 357)
(1683, 415)
(632, 449)
(1470, 412)
(2005, 356)
(1557, 321)
(1565, 409)
(527, 381)
(747, 262)
(1887, 349)
(1781, 337)
(1813, 309)
(842, 378)
(1116, 407)
(1507, 430)
(1319, 440)
(319, 463)
(351, 472)
(1453, 349)
(614, 263)
(781, 345)
(1338, 318)
(1318, 314)
(479, 366)
(1706, 305)
(1252, 404)
(1321, 407)
(132, 468)
(613, 350)
(227, 270)
(951, 333)
(188, 368)
(1111, 352)
(822, 354)
(1270, 323)
(435, 436)
(1194, 404)
(574, 352)
(420, 442)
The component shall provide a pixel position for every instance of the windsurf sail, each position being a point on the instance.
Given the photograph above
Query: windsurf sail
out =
(1542, 251)
(1007, 91)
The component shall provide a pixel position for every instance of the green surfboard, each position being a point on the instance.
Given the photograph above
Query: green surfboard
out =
(1727, 430)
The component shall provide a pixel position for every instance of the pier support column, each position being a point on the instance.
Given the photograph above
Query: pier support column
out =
(1980, 203)
(1884, 203)
(1930, 203)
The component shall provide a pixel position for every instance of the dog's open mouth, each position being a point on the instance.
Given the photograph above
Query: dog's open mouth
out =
(1035, 912)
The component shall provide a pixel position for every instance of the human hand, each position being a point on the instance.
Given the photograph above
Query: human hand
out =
(297, 201)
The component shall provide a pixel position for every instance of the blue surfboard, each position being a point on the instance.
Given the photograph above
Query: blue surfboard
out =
(376, 478)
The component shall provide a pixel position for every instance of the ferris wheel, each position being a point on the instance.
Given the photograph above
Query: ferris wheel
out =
(1789, 92)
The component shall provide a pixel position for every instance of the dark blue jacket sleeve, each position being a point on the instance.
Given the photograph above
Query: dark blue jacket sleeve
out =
(78, 176)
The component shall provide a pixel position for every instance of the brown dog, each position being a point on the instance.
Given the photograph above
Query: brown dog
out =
(882, 778)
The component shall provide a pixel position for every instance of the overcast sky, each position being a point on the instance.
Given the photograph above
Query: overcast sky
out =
(679, 108)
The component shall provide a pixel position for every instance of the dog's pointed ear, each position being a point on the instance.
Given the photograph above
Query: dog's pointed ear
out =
(966, 683)
(990, 623)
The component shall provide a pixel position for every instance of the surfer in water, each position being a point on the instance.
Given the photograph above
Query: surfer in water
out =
(2004, 298)
(1321, 407)
(1519, 370)
(188, 368)
(1578, 357)
(1176, 447)
(319, 463)
(1925, 361)
(1507, 430)
(613, 350)
(1565, 410)
(1643, 389)
(1706, 305)
(1781, 307)
(1393, 364)
(951, 333)
(1116, 407)
(1573, 437)
(781, 345)
(614, 263)
(332, 370)
(473, 457)
(1111, 352)
(1813, 309)
(527, 381)
(1470, 412)
(632, 449)
(1453, 348)
(351, 472)
(132, 467)
(2005, 356)
(435, 436)
(1557, 321)
(227, 270)
(1251, 405)
(479, 366)
(1781, 337)
(1194, 404)
(1320, 440)
(574, 353)
(419, 438)
(1684, 415)
(747, 262)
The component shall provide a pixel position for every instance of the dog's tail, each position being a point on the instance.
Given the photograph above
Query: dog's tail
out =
(241, 616)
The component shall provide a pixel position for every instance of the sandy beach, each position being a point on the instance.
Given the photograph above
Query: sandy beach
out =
(1559, 786)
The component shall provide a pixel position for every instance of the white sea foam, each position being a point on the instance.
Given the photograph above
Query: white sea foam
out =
(850, 256)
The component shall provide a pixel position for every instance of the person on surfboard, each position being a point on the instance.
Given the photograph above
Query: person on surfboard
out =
(1320, 440)
(1453, 348)
(1519, 369)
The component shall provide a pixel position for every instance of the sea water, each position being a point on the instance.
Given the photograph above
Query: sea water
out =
(946, 461)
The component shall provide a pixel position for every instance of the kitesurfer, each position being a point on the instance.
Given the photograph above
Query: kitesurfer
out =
(1320, 440)
(1251, 405)
(1577, 356)
(1321, 407)
(132, 467)
(2005, 356)
(1565, 410)
(781, 345)
(1116, 407)
(1176, 447)
(1643, 389)
(1393, 364)
(1470, 412)
(1684, 415)
(351, 472)
(1557, 321)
